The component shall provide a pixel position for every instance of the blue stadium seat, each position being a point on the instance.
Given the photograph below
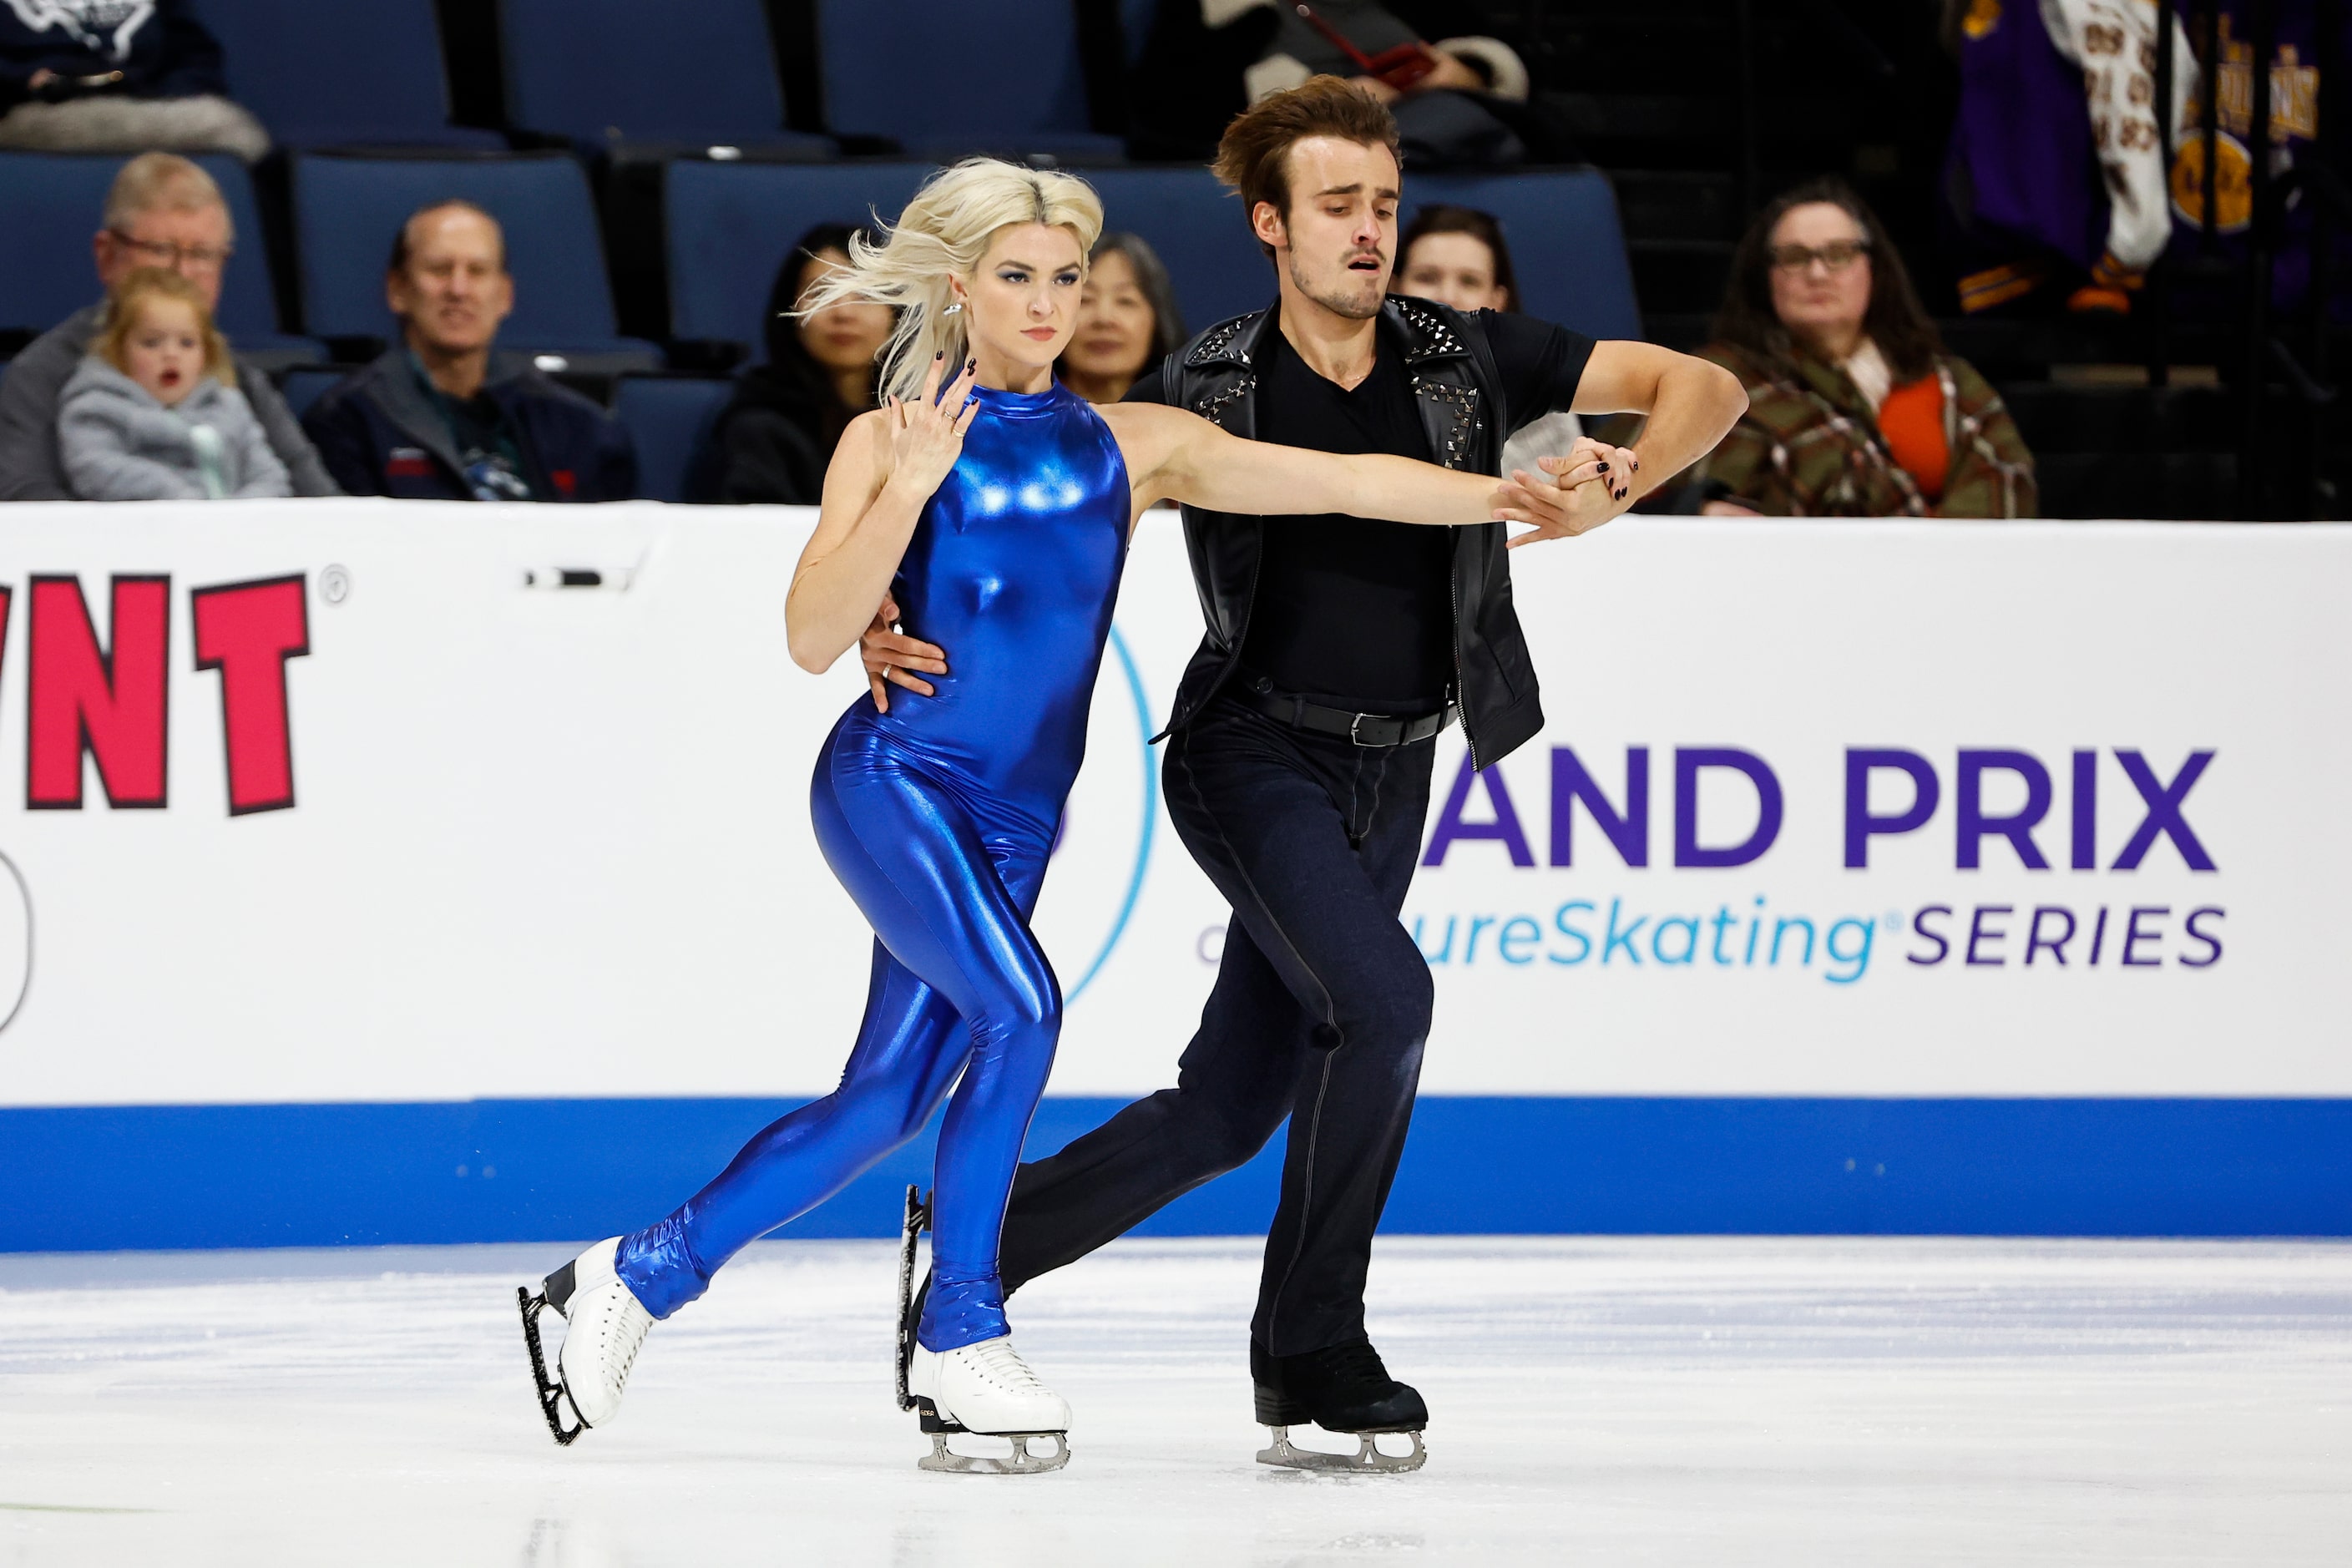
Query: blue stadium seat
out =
(1566, 242)
(730, 225)
(609, 72)
(671, 419)
(55, 202)
(320, 74)
(1135, 18)
(1199, 231)
(943, 77)
(347, 210)
(302, 387)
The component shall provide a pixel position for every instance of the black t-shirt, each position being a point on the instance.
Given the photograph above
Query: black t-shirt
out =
(1360, 613)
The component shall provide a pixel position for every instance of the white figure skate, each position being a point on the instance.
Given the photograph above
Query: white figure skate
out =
(606, 1325)
(984, 1388)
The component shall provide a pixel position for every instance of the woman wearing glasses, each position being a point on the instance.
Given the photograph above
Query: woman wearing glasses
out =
(1854, 407)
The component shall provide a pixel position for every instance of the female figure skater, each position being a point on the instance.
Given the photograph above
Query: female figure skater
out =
(996, 513)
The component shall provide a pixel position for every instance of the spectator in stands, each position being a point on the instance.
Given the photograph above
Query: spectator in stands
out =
(104, 76)
(154, 414)
(433, 419)
(1456, 256)
(1854, 407)
(1128, 319)
(779, 432)
(163, 211)
(1460, 102)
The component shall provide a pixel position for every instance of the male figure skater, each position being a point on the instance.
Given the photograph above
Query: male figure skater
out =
(1300, 742)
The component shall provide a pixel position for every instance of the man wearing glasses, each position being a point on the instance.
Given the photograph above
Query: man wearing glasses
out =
(163, 211)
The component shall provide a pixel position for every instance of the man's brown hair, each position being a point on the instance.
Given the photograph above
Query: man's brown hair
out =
(1253, 155)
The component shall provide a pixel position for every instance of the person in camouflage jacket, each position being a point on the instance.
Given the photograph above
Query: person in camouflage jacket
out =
(1809, 446)
(1855, 410)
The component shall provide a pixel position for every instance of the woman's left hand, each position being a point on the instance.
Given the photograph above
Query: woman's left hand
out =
(1576, 494)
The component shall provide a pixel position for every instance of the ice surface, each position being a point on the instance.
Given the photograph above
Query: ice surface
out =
(1609, 1401)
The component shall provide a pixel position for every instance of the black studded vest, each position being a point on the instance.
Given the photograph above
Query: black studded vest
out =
(1455, 385)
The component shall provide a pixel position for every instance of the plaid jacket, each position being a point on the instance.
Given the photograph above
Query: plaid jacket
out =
(1809, 446)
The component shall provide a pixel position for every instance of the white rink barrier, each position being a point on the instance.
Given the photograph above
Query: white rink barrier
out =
(352, 804)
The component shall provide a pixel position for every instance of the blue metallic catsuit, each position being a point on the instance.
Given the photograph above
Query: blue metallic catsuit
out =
(937, 817)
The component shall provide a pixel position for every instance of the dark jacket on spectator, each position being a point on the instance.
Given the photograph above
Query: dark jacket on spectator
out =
(380, 434)
(777, 434)
(166, 53)
(30, 465)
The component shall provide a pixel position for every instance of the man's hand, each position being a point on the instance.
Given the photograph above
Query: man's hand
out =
(1592, 484)
(891, 658)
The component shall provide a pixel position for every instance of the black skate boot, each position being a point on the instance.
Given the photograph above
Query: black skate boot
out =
(1343, 1389)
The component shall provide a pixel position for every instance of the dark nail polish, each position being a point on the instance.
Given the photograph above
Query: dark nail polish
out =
(942, 354)
(1602, 467)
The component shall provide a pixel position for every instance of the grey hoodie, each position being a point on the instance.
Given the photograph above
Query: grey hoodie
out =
(118, 442)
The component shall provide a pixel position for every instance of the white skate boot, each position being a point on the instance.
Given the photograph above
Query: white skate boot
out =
(605, 1327)
(986, 1388)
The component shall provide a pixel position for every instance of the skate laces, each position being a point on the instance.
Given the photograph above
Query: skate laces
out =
(1353, 1365)
(1002, 1365)
(624, 1333)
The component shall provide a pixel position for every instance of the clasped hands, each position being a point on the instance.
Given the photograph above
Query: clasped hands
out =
(1592, 484)
(1576, 494)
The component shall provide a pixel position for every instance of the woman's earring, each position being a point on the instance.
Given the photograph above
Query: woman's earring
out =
(954, 310)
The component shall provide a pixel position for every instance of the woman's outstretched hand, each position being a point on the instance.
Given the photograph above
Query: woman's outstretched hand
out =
(1576, 494)
(926, 435)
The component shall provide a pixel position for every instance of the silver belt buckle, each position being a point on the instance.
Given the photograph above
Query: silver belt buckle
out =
(1356, 724)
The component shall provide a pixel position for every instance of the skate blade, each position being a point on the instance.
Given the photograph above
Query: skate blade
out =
(552, 1396)
(1366, 1461)
(1021, 1463)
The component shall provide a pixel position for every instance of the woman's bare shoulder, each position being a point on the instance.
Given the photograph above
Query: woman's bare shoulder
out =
(1147, 430)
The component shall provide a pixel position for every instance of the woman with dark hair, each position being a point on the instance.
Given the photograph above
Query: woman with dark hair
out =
(1457, 256)
(788, 415)
(1854, 407)
(1128, 319)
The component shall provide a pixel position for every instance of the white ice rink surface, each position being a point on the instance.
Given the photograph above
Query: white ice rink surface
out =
(1675, 1401)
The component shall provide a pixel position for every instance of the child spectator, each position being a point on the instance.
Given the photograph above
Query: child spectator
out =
(154, 414)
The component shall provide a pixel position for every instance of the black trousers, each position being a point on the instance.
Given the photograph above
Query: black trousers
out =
(1320, 1012)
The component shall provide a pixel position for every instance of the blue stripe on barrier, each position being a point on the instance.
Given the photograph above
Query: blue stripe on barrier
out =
(81, 1179)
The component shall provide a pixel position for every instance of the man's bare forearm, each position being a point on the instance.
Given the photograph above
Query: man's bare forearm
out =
(1697, 404)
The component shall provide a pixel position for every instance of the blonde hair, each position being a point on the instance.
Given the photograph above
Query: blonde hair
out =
(943, 232)
(161, 182)
(122, 316)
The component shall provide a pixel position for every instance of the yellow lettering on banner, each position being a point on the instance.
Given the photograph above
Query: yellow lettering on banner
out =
(2295, 97)
(1983, 17)
(2233, 188)
(2294, 92)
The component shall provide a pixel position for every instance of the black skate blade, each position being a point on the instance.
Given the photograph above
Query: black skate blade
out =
(551, 1394)
(945, 1461)
(1367, 1460)
(917, 1219)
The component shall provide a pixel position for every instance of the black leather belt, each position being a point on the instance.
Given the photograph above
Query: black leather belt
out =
(1364, 728)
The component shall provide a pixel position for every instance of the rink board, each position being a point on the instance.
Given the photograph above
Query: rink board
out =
(339, 852)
